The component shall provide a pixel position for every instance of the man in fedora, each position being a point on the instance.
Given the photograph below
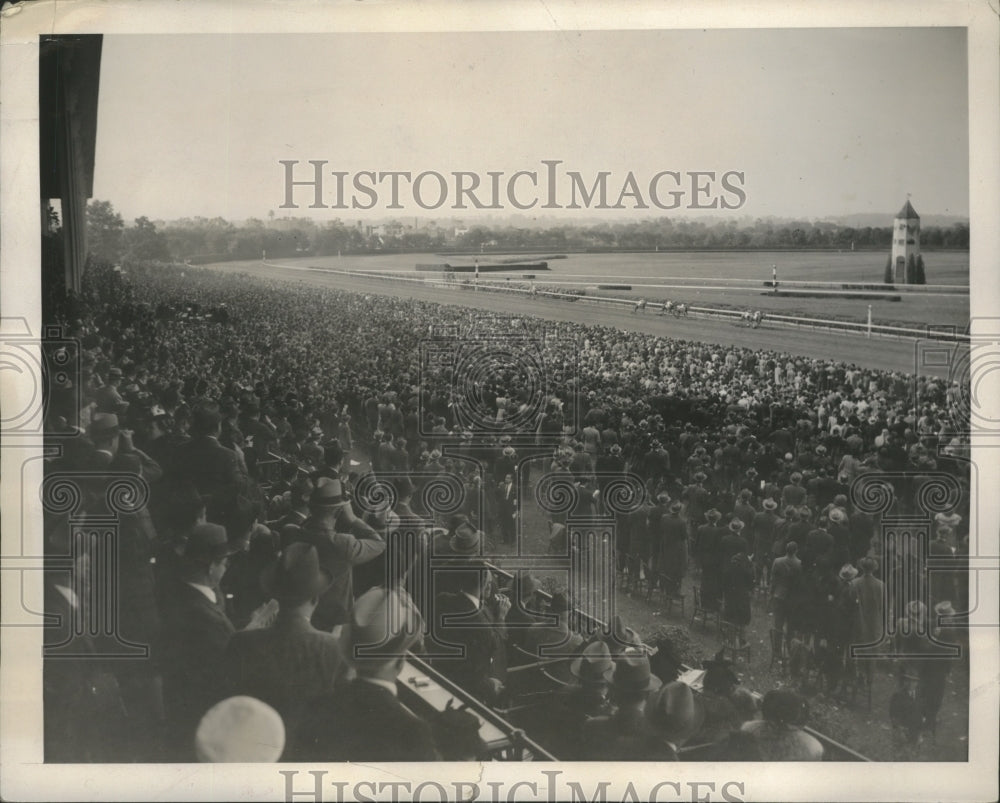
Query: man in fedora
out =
(622, 736)
(674, 715)
(289, 662)
(364, 720)
(196, 632)
(342, 541)
(794, 493)
(732, 542)
(583, 696)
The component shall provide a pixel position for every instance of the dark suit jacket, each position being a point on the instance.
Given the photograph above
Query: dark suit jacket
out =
(212, 468)
(285, 665)
(195, 636)
(482, 639)
(360, 722)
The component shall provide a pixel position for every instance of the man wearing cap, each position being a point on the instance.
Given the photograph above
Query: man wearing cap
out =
(196, 632)
(289, 662)
(364, 720)
(342, 542)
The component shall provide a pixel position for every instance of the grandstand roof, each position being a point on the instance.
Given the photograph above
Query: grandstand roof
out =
(907, 212)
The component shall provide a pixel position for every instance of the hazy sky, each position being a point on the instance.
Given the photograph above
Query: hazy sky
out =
(821, 122)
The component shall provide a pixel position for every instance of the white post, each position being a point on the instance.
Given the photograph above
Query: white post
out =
(477, 273)
(263, 256)
(774, 278)
(869, 320)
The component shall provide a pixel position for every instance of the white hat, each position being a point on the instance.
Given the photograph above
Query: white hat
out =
(241, 730)
(386, 624)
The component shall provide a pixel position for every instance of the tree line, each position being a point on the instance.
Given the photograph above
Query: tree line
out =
(216, 239)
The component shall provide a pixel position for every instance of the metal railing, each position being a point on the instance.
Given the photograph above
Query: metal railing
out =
(832, 749)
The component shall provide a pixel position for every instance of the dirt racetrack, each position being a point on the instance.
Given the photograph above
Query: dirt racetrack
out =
(889, 354)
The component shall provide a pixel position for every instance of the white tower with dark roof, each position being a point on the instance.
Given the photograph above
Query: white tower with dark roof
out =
(905, 241)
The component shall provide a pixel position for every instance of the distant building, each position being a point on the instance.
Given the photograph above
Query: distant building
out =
(905, 243)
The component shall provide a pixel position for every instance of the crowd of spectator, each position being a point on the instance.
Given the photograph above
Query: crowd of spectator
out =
(268, 565)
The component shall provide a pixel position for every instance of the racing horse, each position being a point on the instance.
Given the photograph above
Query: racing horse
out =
(639, 306)
(680, 310)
